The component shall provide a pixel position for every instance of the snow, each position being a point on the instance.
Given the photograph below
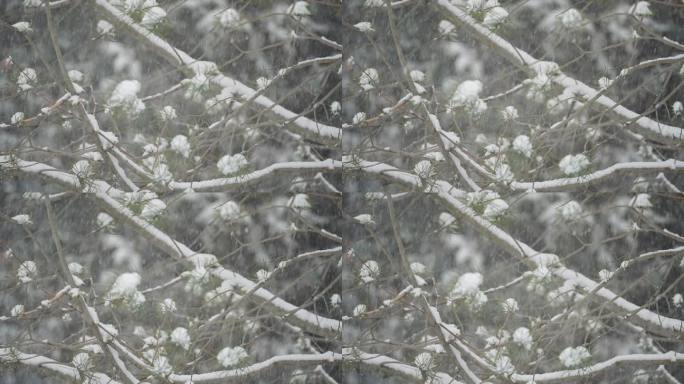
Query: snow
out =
(22, 219)
(604, 82)
(522, 145)
(26, 79)
(369, 271)
(504, 365)
(374, 3)
(152, 209)
(22, 26)
(229, 211)
(510, 113)
(494, 17)
(677, 108)
(75, 268)
(359, 118)
(423, 169)
(572, 165)
(510, 305)
(446, 27)
(17, 118)
(468, 284)
(108, 139)
(522, 337)
(424, 361)
(335, 300)
(299, 202)
(369, 78)
(27, 271)
(104, 27)
(231, 356)
(180, 337)
(108, 332)
(364, 219)
(641, 201)
(677, 300)
(572, 357)
(299, 8)
(230, 164)
(467, 92)
(81, 361)
(124, 285)
(605, 275)
(364, 27)
(103, 219)
(417, 75)
(446, 219)
(153, 16)
(82, 169)
(181, 145)
(641, 9)
(75, 76)
(503, 173)
(495, 209)
(335, 108)
(167, 306)
(571, 19)
(359, 310)
(418, 268)
(125, 95)
(571, 211)
(17, 310)
(168, 113)
(230, 18)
